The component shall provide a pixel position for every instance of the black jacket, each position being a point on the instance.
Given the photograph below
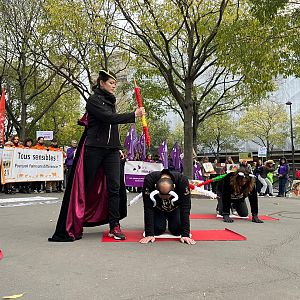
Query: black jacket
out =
(183, 203)
(103, 120)
(228, 196)
(265, 170)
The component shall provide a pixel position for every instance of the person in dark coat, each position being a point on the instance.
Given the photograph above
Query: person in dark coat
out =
(233, 190)
(283, 175)
(93, 195)
(167, 198)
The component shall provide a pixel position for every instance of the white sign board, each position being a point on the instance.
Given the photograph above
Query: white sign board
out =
(47, 135)
(262, 152)
(23, 165)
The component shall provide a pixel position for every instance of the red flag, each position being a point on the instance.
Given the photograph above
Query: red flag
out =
(139, 101)
(2, 117)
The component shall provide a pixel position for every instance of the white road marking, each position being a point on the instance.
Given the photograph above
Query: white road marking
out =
(25, 201)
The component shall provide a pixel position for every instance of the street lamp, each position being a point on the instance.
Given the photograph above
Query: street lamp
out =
(289, 103)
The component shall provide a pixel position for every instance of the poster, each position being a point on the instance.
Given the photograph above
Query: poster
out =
(262, 152)
(47, 135)
(295, 190)
(245, 156)
(135, 172)
(23, 165)
(208, 167)
(232, 168)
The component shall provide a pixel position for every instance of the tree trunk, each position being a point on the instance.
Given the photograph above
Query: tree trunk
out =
(188, 131)
(22, 132)
(195, 129)
(188, 144)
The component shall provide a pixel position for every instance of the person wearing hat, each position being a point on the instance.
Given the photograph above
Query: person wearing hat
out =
(93, 192)
(167, 198)
(265, 179)
(233, 190)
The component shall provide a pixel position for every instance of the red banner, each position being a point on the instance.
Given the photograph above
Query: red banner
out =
(2, 117)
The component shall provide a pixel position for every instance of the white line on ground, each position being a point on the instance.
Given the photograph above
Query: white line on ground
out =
(27, 199)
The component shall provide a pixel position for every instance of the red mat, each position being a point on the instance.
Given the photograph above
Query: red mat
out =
(212, 216)
(197, 235)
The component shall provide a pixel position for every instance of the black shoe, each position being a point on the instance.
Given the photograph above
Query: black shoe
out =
(116, 233)
(262, 195)
(271, 195)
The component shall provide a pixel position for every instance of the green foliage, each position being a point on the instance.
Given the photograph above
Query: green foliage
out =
(218, 133)
(264, 10)
(85, 38)
(265, 124)
(297, 129)
(61, 118)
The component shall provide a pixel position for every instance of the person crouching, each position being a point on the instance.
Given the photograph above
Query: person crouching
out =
(234, 189)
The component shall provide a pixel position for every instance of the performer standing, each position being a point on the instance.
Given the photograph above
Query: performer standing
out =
(166, 197)
(233, 190)
(92, 194)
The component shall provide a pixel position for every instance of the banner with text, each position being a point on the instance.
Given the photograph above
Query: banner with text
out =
(135, 172)
(21, 165)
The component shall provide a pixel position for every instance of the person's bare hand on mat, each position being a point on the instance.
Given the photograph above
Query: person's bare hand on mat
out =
(147, 239)
(187, 240)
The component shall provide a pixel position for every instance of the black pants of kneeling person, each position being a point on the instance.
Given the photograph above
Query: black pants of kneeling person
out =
(161, 218)
(110, 160)
(240, 207)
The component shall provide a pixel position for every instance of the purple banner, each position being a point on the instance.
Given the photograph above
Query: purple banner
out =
(134, 180)
(135, 172)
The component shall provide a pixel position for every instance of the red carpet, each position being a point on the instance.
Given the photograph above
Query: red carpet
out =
(197, 235)
(212, 216)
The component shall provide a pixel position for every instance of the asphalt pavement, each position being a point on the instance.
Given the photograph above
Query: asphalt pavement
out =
(265, 266)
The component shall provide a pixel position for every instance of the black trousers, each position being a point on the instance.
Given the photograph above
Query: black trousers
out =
(110, 160)
(161, 218)
(239, 206)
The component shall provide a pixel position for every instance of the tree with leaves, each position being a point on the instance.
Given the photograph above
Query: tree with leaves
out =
(25, 78)
(266, 125)
(193, 46)
(83, 41)
(218, 133)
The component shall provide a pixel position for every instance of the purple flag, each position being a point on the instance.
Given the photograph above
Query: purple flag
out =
(142, 147)
(163, 154)
(197, 171)
(175, 155)
(131, 141)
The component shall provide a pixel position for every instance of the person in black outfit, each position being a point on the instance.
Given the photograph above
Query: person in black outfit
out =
(166, 197)
(233, 190)
(102, 143)
(95, 192)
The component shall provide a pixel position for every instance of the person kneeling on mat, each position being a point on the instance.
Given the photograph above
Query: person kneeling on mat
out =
(166, 197)
(234, 188)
